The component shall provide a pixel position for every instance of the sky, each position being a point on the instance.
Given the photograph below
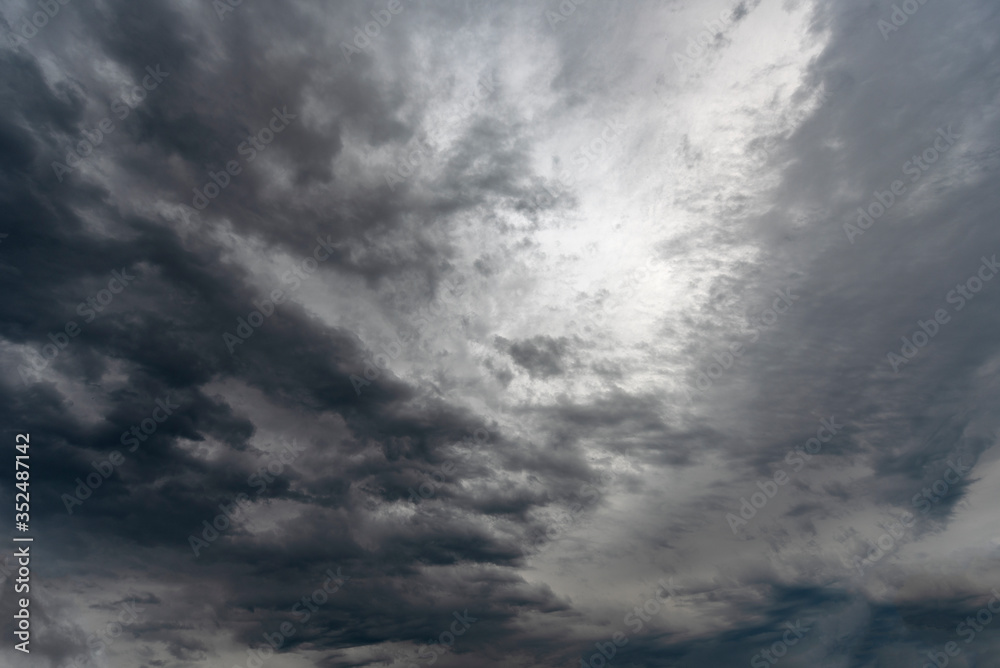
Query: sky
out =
(502, 334)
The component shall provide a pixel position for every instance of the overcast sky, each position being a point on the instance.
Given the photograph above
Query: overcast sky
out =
(663, 329)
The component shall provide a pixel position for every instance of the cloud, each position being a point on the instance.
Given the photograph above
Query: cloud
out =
(546, 349)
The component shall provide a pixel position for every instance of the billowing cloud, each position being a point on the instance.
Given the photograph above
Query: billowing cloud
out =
(565, 334)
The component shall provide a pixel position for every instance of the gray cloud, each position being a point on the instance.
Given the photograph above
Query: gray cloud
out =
(537, 355)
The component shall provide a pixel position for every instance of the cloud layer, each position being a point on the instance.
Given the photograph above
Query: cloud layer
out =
(509, 335)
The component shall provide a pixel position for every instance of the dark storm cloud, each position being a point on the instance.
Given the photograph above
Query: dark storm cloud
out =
(163, 334)
(348, 499)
